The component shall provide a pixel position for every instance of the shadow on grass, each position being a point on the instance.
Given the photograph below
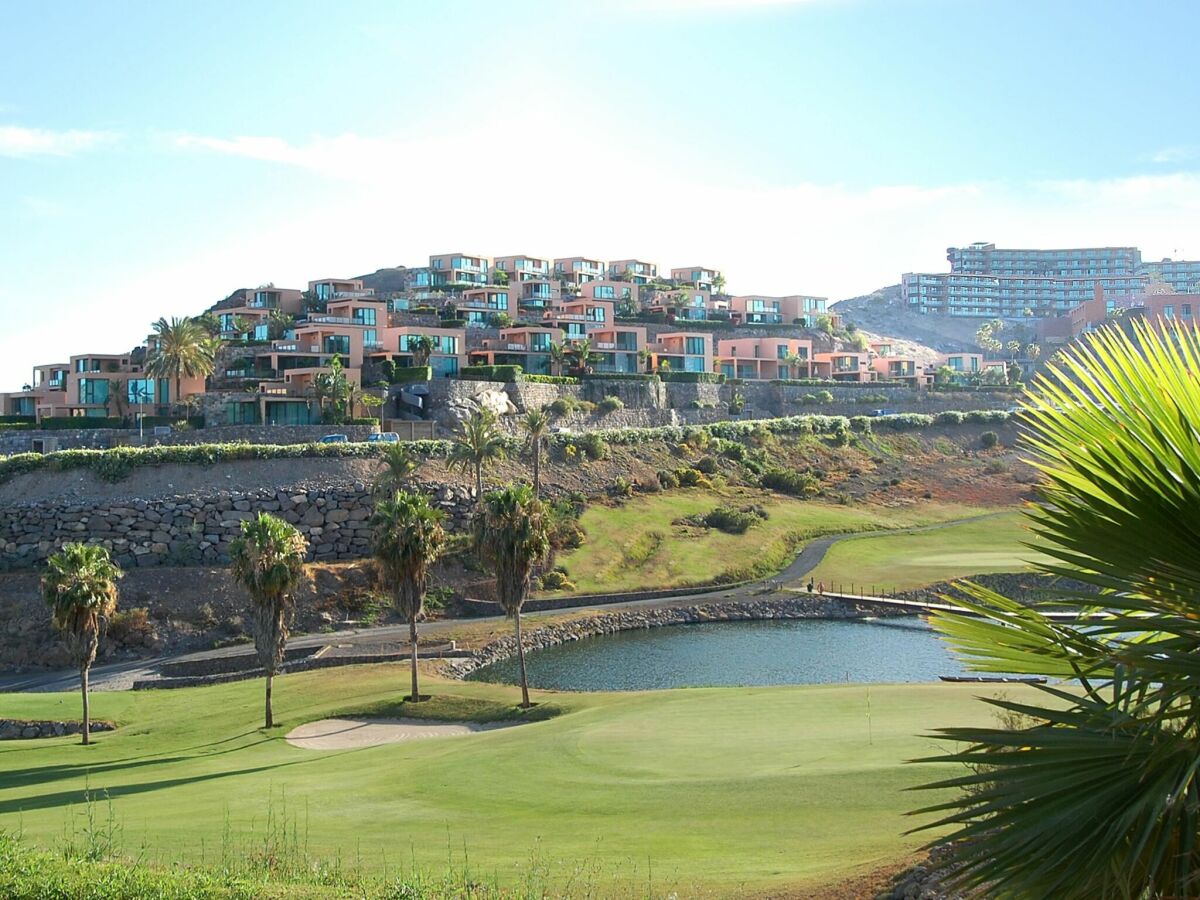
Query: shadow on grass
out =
(451, 708)
(116, 792)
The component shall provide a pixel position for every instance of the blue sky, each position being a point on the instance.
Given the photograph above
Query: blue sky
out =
(155, 156)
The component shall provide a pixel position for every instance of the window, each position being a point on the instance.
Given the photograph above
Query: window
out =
(370, 337)
(539, 342)
(262, 331)
(337, 343)
(93, 390)
(1169, 311)
(241, 414)
(142, 391)
(695, 346)
(365, 316)
(604, 292)
(288, 413)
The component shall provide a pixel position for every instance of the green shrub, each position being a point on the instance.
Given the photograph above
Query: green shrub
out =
(689, 477)
(995, 467)
(861, 424)
(806, 399)
(592, 445)
(787, 481)
(620, 376)
(948, 418)
(989, 439)
(411, 374)
(693, 377)
(707, 465)
(17, 420)
(622, 486)
(18, 426)
(362, 420)
(905, 421)
(610, 404)
(505, 374)
(562, 406)
(66, 423)
(668, 479)
(556, 580)
(731, 449)
(733, 520)
(549, 379)
(824, 397)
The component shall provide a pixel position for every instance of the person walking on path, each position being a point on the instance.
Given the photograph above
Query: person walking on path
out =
(821, 588)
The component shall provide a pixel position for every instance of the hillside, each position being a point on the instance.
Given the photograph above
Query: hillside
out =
(882, 313)
(386, 280)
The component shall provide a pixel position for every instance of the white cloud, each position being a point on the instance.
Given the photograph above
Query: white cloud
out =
(1176, 154)
(24, 142)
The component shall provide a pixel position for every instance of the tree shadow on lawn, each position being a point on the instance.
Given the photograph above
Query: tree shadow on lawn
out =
(66, 798)
(16, 778)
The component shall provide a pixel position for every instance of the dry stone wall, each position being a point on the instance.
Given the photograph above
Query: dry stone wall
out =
(197, 529)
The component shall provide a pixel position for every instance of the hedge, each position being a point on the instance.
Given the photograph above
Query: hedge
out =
(17, 426)
(505, 374)
(154, 421)
(826, 382)
(452, 323)
(549, 379)
(119, 462)
(622, 376)
(17, 420)
(59, 423)
(362, 420)
(409, 374)
(693, 377)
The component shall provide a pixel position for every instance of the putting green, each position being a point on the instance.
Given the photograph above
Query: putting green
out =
(730, 791)
(906, 561)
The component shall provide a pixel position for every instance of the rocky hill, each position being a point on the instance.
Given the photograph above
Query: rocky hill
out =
(386, 280)
(883, 313)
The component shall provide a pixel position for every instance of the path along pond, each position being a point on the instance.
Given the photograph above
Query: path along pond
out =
(776, 651)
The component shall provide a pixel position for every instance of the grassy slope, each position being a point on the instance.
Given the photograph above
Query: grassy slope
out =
(635, 545)
(905, 561)
(720, 788)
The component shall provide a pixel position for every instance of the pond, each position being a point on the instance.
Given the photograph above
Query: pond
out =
(778, 651)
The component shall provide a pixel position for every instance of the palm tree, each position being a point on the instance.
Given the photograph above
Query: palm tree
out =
(535, 423)
(333, 386)
(80, 587)
(407, 537)
(278, 322)
(267, 559)
(1032, 351)
(180, 349)
(421, 346)
(718, 284)
(500, 277)
(399, 465)
(558, 357)
(794, 361)
(479, 443)
(581, 350)
(511, 536)
(1097, 796)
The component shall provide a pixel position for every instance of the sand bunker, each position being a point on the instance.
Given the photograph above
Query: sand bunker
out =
(341, 734)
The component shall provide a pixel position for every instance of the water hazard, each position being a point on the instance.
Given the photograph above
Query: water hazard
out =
(793, 651)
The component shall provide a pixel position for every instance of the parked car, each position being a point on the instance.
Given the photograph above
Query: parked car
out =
(883, 412)
(335, 439)
(383, 437)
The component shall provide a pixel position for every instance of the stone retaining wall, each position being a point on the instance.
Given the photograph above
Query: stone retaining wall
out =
(630, 619)
(16, 729)
(198, 528)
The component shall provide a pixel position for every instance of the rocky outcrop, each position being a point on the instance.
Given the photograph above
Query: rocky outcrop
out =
(767, 607)
(19, 729)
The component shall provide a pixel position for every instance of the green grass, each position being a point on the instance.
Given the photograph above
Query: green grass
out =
(636, 545)
(726, 791)
(907, 561)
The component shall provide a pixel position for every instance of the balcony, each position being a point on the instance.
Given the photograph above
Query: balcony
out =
(520, 347)
(332, 320)
(351, 295)
(605, 345)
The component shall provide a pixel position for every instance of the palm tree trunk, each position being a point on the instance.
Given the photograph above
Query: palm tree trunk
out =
(412, 641)
(270, 718)
(87, 712)
(525, 704)
(178, 388)
(478, 481)
(537, 468)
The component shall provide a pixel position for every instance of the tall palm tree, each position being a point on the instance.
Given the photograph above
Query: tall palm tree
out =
(581, 351)
(267, 559)
(536, 423)
(558, 357)
(180, 350)
(794, 361)
(80, 587)
(407, 537)
(1098, 796)
(333, 386)
(478, 443)
(399, 465)
(421, 347)
(511, 536)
